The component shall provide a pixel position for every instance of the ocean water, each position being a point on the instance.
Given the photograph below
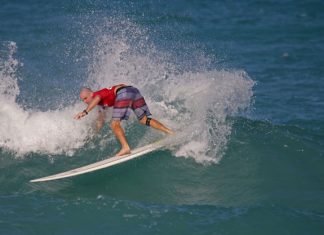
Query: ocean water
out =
(241, 82)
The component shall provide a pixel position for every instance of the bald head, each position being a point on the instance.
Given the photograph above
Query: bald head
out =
(86, 95)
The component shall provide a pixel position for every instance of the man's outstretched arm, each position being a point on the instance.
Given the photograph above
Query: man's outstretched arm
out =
(92, 104)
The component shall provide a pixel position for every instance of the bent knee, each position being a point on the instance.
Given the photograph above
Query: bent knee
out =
(143, 120)
(115, 124)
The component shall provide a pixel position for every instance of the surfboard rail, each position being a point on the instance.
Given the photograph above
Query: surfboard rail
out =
(104, 163)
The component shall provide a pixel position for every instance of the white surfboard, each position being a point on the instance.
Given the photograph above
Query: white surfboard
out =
(105, 163)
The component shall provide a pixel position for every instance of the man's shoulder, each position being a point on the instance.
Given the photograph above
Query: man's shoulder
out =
(100, 92)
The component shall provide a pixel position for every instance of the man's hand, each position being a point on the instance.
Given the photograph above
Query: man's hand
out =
(79, 115)
(92, 104)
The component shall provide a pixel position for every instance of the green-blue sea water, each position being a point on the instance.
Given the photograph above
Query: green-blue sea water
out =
(241, 82)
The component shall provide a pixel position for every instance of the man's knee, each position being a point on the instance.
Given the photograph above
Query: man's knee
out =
(146, 121)
(115, 124)
(143, 120)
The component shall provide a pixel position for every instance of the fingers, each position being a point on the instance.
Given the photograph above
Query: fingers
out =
(79, 116)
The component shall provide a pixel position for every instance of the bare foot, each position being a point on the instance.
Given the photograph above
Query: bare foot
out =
(123, 152)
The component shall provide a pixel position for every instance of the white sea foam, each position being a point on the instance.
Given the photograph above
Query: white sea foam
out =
(25, 131)
(197, 102)
(194, 102)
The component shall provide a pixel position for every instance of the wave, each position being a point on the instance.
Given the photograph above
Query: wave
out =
(195, 102)
(31, 131)
(279, 134)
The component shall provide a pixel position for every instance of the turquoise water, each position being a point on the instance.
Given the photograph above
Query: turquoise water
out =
(243, 82)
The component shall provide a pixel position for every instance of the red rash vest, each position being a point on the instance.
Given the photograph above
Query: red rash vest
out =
(107, 96)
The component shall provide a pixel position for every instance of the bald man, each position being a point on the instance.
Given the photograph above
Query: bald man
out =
(122, 99)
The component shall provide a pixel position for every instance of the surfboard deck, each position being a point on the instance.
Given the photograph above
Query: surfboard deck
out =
(104, 163)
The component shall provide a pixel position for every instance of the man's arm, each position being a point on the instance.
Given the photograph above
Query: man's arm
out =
(92, 104)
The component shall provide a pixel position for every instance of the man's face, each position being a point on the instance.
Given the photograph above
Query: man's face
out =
(86, 97)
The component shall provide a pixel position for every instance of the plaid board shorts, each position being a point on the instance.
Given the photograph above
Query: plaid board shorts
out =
(127, 99)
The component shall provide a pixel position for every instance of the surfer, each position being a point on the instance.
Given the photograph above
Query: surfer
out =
(123, 99)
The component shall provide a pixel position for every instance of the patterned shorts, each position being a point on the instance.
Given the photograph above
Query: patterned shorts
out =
(127, 99)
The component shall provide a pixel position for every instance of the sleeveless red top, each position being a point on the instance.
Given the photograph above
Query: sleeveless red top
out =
(107, 96)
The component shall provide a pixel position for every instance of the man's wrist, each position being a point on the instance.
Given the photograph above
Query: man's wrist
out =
(85, 111)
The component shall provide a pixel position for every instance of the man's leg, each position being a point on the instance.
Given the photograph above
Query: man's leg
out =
(100, 120)
(156, 125)
(120, 134)
(141, 110)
